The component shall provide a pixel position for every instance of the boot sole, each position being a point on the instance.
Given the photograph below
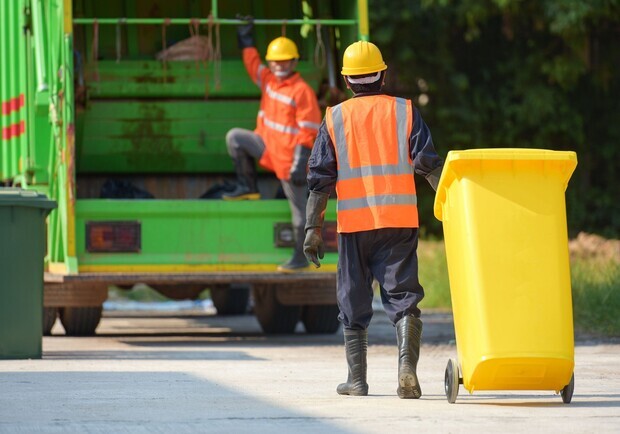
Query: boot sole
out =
(409, 388)
(354, 393)
(250, 196)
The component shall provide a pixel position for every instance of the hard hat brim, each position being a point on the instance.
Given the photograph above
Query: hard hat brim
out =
(363, 70)
(279, 58)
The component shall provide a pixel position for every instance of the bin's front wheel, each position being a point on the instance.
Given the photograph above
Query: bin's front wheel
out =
(567, 391)
(451, 382)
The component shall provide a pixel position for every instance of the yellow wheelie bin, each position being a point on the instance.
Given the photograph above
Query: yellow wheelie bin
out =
(504, 219)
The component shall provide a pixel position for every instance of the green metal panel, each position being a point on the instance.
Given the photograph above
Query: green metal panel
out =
(13, 89)
(179, 79)
(192, 232)
(160, 136)
(58, 55)
(39, 76)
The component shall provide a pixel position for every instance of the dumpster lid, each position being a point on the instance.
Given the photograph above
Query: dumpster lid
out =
(448, 174)
(12, 196)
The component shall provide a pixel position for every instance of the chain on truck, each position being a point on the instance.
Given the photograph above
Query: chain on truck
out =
(118, 110)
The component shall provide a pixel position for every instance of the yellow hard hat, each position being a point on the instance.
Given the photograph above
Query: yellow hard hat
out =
(362, 57)
(282, 49)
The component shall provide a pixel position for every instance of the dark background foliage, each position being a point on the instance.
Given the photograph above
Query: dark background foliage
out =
(514, 73)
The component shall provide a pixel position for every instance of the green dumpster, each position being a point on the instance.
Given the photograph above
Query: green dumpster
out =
(22, 251)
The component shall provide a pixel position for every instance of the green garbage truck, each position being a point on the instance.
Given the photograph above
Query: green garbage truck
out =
(118, 111)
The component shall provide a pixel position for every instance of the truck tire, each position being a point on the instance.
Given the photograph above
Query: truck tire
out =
(231, 300)
(273, 316)
(49, 318)
(321, 319)
(80, 321)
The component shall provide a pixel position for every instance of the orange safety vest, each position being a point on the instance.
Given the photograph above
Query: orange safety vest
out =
(289, 114)
(375, 185)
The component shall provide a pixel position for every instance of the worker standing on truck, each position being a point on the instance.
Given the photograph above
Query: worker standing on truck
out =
(368, 148)
(286, 126)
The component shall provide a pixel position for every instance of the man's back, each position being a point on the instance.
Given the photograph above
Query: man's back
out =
(374, 128)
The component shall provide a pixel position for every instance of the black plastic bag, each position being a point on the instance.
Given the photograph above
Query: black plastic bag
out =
(122, 189)
(218, 190)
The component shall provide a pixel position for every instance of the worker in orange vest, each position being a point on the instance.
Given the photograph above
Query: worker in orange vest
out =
(286, 126)
(368, 149)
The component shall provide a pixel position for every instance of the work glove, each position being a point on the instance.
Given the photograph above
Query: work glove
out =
(315, 214)
(298, 172)
(434, 176)
(245, 36)
(313, 246)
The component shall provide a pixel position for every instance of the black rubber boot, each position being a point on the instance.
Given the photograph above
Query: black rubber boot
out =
(408, 335)
(356, 346)
(246, 189)
(298, 261)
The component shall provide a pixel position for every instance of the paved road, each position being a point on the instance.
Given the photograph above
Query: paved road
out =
(202, 373)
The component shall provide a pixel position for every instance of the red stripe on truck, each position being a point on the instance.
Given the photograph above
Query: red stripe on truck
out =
(14, 130)
(13, 104)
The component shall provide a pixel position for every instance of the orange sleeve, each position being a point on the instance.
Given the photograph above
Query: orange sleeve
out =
(258, 72)
(308, 116)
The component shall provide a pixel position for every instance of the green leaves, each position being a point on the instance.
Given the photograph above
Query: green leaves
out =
(516, 73)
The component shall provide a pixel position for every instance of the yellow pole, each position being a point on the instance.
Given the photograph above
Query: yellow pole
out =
(68, 12)
(362, 14)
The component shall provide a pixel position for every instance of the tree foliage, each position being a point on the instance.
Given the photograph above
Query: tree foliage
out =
(516, 73)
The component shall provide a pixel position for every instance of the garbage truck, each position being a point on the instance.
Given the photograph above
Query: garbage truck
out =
(118, 110)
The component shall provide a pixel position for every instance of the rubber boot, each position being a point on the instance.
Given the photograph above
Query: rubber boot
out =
(298, 261)
(246, 188)
(356, 346)
(408, 335)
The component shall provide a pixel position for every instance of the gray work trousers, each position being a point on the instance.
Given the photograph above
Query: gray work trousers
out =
(388, 255)
(241, 141)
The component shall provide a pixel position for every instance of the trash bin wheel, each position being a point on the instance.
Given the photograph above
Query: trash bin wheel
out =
(567, 391)
(451, 382)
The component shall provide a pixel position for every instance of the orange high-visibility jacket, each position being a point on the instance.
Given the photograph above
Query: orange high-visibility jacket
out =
(289, 114)
(375, 185)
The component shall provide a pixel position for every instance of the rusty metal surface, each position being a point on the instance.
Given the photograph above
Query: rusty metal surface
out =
(72, 295)
(175, 278)
(307, 294)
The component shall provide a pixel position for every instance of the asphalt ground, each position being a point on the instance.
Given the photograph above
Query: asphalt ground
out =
(154, 372)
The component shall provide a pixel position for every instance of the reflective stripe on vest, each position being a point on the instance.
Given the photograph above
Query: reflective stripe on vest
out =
(379, 194)
(277, 126)
(280, 96)
(381, 200)
(308, 124)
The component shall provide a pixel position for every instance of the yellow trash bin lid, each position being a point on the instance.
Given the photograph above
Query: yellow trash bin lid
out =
(456, 161)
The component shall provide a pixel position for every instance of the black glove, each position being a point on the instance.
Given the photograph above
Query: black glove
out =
(299, 167)
(315, 214)
(313, 246)
(245, 37)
